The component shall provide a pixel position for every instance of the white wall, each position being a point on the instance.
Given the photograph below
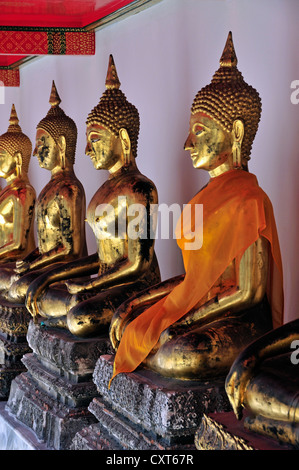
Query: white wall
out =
(164, 55)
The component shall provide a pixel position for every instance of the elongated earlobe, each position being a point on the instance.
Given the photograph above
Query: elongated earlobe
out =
(19, 163)
(62, 148)
(238, 134)
(126, 145)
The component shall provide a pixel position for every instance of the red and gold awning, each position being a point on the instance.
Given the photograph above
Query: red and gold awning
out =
(40, 27)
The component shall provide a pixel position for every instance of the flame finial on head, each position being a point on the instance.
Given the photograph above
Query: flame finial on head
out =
(54, 96)
(14, 121)
(112, 80)
(229, 58)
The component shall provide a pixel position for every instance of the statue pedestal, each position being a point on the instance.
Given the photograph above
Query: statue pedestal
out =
(52, 397)
(222, 431)
(144, 411)
(14, 321)
(15, 435)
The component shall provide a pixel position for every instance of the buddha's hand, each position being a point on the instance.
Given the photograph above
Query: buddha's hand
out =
(22, 267)
(76, 287)
(237, 381)
(114, 332)
(31, 302)
(175, 330)
(118, 322)
(34, 294)
(167, 335)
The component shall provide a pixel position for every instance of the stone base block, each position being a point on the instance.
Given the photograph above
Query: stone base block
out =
(143, 410)
(16, 436)
(7, 374)
(94, 437)
(10, 363)
(53, 423)
(222, 431)
(12, 349)
(14, 318)
(14, 321)
(64, 353)
(52, 397)
(115, 432)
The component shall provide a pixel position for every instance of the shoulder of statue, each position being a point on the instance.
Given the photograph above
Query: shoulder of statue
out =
(143, 182)
(66, 180)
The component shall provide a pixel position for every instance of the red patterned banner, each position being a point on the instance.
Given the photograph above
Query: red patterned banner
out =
(9, 77)
(80, 43)
(47, 42)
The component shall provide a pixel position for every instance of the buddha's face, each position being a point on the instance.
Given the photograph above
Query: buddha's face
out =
(7, 163)
(103, 147)
(210, 146)
(46, 150)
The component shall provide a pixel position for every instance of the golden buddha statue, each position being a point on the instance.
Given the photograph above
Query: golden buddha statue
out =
(123, 264)
(264, 380)
(17, 199)
(60, 208)
(194, 325)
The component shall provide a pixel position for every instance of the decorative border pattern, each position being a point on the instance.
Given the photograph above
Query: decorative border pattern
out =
(9, 77)
(47, 42)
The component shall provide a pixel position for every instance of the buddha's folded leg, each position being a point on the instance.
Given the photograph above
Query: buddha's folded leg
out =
(18, 289)
(56, 302)
(272, 401)
(6, 273)
(92, 316)
(208, 351)
(273, 395)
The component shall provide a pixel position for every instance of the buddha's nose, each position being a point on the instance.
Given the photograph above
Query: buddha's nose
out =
(88, 148)
(188, 144)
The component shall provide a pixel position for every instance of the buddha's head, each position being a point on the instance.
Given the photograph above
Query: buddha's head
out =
(224, 117)
(15, 149)
(112, 126)
(56, 136)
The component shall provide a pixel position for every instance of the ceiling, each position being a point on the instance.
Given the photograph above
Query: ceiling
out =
(29, 28)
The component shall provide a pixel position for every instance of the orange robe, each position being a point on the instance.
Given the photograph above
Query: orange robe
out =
(236, 212)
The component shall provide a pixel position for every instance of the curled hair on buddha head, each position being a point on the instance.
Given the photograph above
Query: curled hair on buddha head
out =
(14, 140)
(228, 98)
(57, 124)
(114, 111)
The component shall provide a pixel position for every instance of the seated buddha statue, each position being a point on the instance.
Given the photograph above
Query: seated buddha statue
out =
(17, 199)
(60, 207)
(192, 327)
(264, 381)
(124, 263)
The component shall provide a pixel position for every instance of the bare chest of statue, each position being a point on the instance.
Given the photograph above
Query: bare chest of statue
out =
(6, 218)
(107, 216)
(49, 215)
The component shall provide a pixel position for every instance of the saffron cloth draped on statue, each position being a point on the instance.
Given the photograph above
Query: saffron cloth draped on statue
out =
(236, 212)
